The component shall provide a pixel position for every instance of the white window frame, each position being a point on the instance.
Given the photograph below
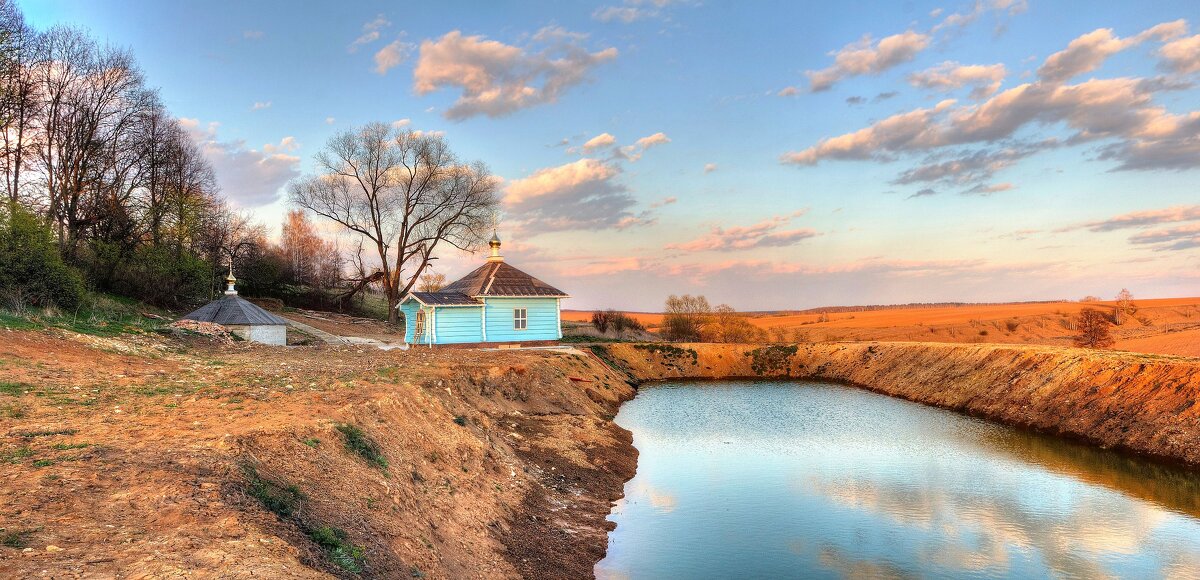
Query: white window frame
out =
(520, 319)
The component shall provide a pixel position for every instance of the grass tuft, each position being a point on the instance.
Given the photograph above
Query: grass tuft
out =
(279, 499)
(358, 442)
(338, 548)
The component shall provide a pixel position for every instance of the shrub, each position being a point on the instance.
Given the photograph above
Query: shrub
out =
(280, 500)
(1012, 325)
(338, 548)
(358, 442)
(32, 272)
(601, 319)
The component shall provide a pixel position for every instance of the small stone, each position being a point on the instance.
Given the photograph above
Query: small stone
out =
(52, 548)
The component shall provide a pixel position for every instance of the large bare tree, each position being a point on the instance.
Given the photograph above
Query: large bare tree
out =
(406, 192)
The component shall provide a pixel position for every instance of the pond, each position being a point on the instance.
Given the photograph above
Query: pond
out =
(812, 480)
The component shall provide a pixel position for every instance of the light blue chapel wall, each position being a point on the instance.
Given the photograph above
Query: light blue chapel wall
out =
(543, 319)
(458, 324)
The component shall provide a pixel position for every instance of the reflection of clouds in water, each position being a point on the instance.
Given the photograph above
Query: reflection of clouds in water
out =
(854, 569)
(975, 528)
(662, 501)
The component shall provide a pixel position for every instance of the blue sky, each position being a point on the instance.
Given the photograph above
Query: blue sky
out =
(985, 167)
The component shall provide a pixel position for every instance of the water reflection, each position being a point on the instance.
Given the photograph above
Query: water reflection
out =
(812, 480)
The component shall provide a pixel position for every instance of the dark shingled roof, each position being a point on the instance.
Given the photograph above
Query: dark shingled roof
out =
(234, 311)
(446, 299)
(500, 279)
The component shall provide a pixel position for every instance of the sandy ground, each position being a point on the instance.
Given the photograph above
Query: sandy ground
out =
(1163, 326)
(126, 458)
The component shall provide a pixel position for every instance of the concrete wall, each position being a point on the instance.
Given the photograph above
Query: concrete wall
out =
(275, 334)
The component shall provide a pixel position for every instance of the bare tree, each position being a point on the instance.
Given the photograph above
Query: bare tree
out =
(1125, 306)
(432, 281)
(1093, 329)
(685, 317)
(406, 193)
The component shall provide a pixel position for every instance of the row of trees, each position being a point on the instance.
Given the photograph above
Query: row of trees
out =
(89, 149)
(691, 318)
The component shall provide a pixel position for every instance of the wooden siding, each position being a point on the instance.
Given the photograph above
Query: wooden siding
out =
(542, 315)
(458, 324)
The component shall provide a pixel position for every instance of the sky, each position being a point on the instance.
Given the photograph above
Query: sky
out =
(768, 155)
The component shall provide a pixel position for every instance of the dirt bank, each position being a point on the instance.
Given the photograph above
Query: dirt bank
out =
(1141, 403)
(151, 457)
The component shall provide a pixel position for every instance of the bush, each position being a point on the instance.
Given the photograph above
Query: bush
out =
(358, 442)
(32, 272)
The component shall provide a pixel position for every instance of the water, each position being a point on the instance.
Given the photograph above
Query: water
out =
(810, 480)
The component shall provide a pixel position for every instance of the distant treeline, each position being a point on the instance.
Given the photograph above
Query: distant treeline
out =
(871, 307)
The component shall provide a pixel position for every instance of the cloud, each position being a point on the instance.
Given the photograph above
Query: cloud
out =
(959, 20)
(1137, 219)
(626, 14)
(1183, 237)
(498, 79)
(767, 233)
(631, 11)
(247, 177)
(1140, 134)
(664, 201)
(329, 120)
(260, 105)
(868, 57)
(392, 55)
(652, 140)
(1088, 52)
(371, 32)
(600, 141)
(401, 123)
(970, 166)
(710, 167)
(581, 195)
(948, 76)
(1182, 56)
(926, 192)
(287, 144)
(988, 189)
(788, 92)
(634, 152)
(253, 34)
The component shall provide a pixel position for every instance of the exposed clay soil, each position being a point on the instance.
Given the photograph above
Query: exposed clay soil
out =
(1137, 402)
(125, 457)
(128, 457)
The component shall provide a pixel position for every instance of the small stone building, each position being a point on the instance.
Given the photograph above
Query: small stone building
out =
(242, 318)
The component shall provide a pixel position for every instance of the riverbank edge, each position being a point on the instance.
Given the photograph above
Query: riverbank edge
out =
(1136, 403)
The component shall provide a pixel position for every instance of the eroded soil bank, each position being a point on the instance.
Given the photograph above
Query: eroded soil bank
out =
(1140, 403)
(153, 457)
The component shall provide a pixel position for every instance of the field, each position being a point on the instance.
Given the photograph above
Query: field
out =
(1165, 326)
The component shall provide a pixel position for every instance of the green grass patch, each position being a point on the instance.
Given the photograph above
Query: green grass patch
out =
(15, 538)
(460, 420)
(47, 433)
(14, 389)
(98, 315)
(43, 463)
(281, 500)
(16, 455)
(358, 442)
(13, 411)
(338, 548)
(312, 442)
(65, 446)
